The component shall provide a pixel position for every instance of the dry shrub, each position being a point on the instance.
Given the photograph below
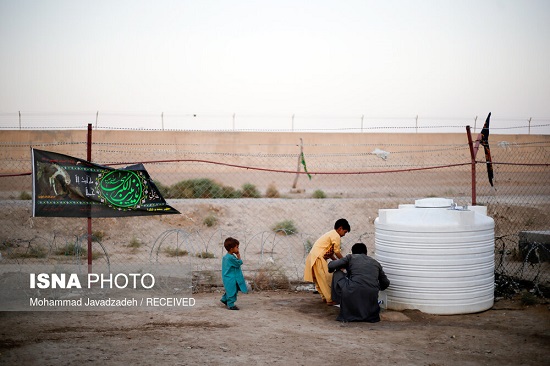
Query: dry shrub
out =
(272, 192)
(270, 277)
(205, 255)
(30, 252)
(286, 227)
(210, 220)
(175, 252)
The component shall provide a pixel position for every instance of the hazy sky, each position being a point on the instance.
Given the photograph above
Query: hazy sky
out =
(328, 59)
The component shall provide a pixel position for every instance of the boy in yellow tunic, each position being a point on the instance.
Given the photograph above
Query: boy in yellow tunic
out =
(327, 246)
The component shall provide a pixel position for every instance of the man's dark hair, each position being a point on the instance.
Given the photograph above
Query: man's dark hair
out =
(230, 243)
(359, 248)
(343, 223)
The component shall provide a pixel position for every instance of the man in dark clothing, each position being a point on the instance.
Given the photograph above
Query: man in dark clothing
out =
(356, 290)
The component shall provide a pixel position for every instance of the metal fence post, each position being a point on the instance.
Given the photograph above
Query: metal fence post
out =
(473, 160)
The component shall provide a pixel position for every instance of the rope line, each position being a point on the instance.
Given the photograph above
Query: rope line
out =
(292, 171)
(299, 172)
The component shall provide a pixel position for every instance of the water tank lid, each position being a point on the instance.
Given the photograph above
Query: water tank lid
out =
(435, 202)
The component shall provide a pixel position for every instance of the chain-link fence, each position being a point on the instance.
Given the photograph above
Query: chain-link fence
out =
(253, 187)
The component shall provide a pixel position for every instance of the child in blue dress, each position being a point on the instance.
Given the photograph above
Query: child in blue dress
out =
(232, 275)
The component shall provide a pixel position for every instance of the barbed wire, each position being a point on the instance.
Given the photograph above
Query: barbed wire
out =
(132, 121)
(122, 143)
(57, 143)
(97, 114)
(131, 151)
(341, 129)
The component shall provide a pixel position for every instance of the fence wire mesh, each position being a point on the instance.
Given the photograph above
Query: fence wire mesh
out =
(259, 193)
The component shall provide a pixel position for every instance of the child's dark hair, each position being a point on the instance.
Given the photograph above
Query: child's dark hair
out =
(359, 248)
(230, 243)
(343, 223)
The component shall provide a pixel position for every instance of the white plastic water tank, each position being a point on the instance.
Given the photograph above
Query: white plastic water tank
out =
(438, 257)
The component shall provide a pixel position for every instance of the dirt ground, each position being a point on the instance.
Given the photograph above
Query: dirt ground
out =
(272, 327)
(275, 327)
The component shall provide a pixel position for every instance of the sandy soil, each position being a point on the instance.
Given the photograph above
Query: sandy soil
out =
(286, 328)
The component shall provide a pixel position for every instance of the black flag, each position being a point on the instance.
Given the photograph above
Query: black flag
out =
(485, 143)
(65, 186)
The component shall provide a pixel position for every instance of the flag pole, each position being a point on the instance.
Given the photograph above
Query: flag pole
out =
(89, 158)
